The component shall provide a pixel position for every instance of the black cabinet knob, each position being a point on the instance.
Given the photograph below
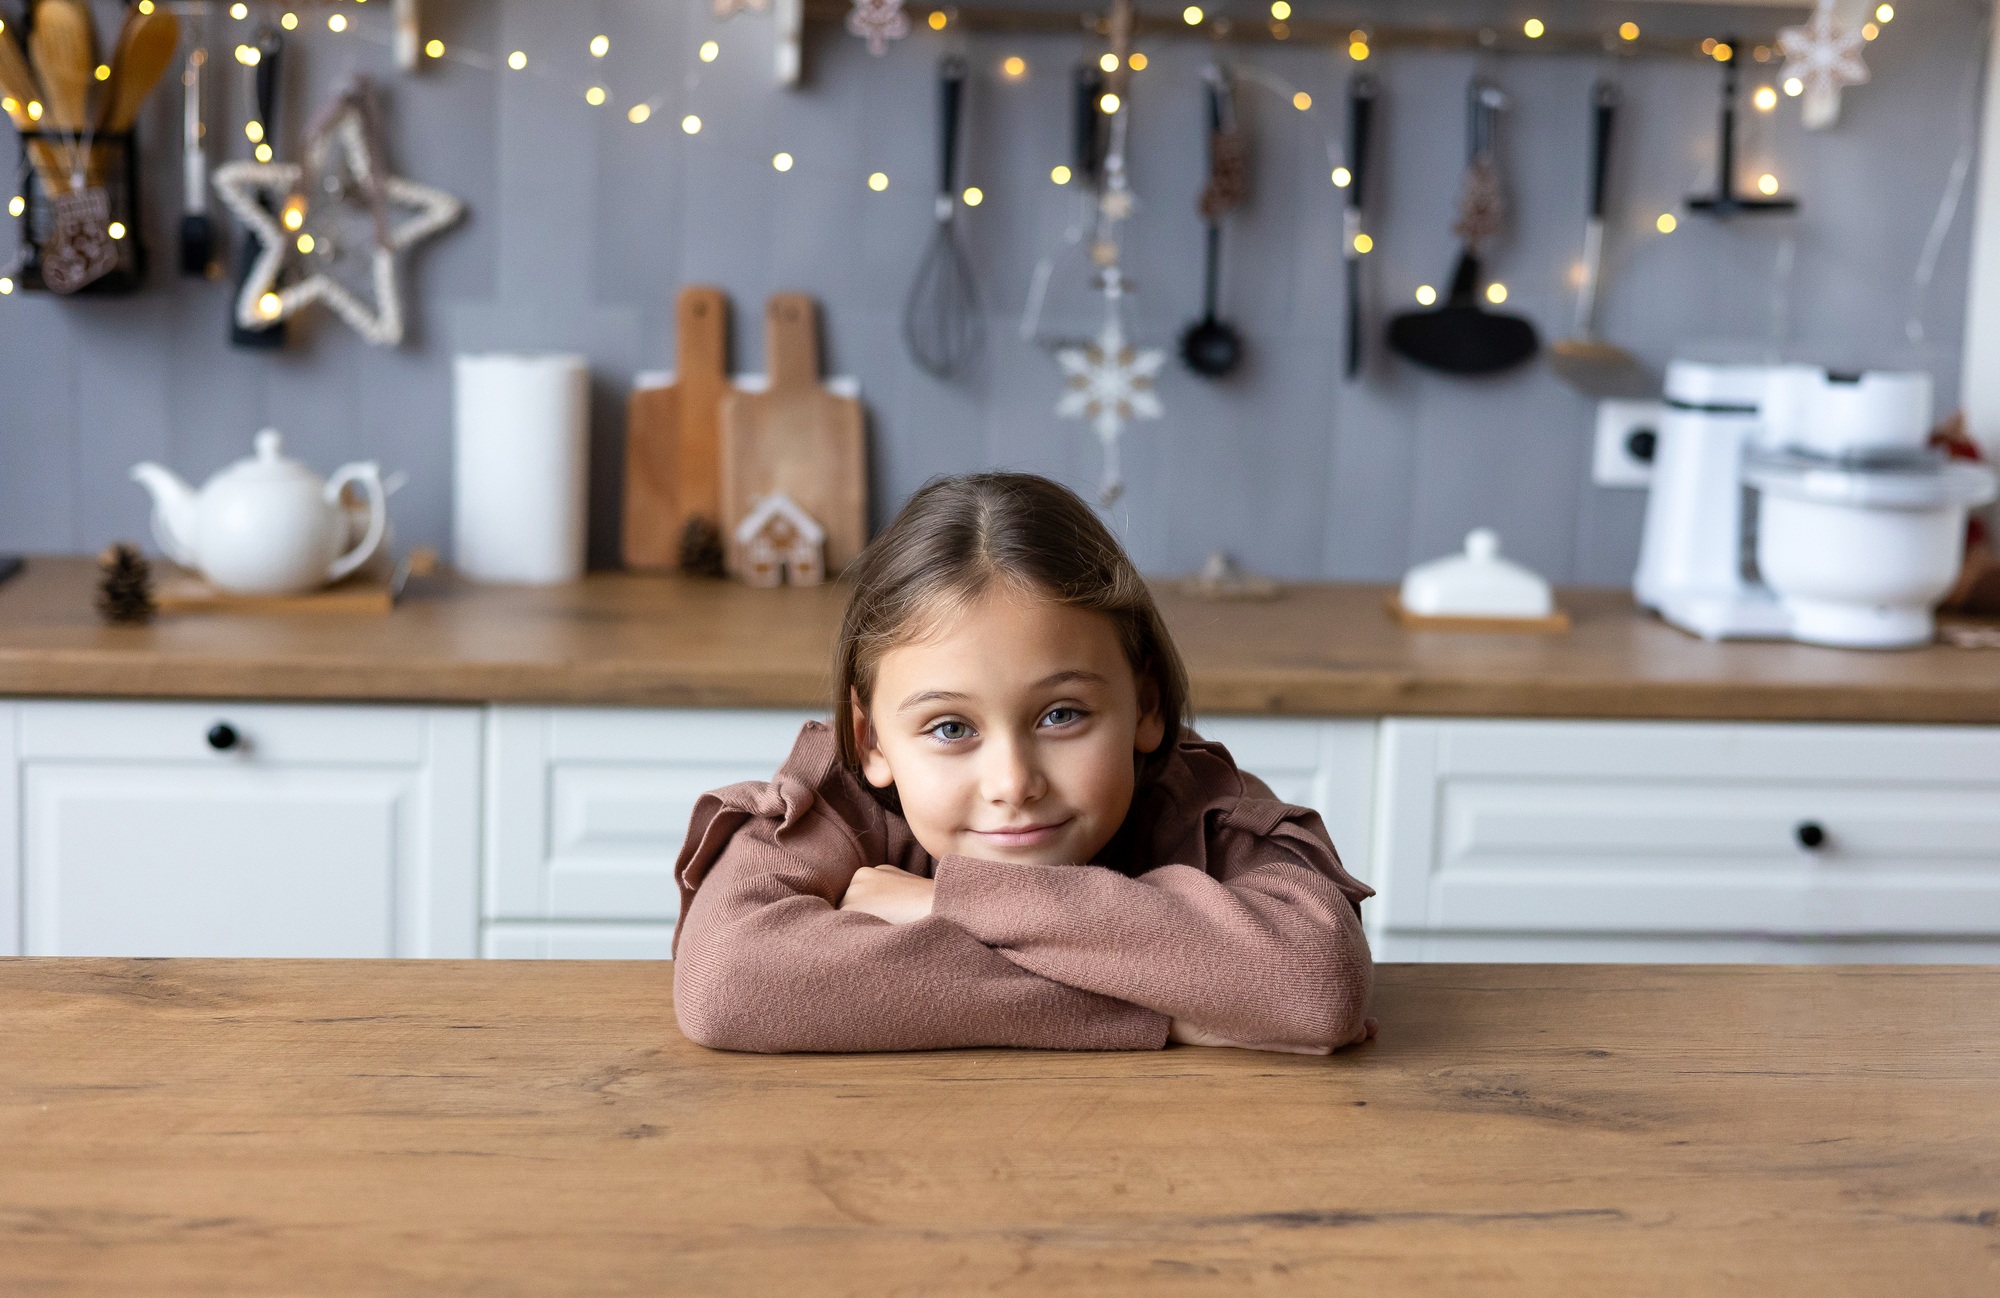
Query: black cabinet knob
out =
(1811, 835)
(222, 736)
(1641, 444)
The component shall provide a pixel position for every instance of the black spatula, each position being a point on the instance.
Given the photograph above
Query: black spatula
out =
(1462, 337)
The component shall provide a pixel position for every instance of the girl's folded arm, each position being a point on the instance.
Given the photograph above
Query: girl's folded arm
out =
(1274, 955)
(766, 962)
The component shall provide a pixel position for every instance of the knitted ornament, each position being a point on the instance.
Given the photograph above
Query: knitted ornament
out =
(878, 22)
(124, 586)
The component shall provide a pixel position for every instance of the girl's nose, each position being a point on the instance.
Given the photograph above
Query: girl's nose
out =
(1010, 775)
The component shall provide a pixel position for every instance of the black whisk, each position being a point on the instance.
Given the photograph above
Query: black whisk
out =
(941, 318)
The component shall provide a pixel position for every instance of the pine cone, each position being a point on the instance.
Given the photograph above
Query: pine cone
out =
(125, 586)
(1228, 175)
(701, 548)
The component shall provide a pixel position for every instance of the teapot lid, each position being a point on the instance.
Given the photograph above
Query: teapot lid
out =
(268, 464)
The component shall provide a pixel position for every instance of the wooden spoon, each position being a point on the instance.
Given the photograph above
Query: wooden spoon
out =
(17, 82)
(63, 45)
(146, 45)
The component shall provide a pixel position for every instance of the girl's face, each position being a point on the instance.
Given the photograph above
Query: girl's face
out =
(1010, 732)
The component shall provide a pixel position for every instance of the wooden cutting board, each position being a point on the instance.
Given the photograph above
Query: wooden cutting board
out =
(673, 438)
(796, 437)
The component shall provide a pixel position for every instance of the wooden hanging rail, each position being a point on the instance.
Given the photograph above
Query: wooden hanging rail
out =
(1378, 37)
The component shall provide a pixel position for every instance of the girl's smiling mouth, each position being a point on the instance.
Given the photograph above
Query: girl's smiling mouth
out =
(1024, 835)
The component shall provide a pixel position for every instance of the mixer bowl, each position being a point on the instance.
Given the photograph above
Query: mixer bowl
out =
(1859, 557)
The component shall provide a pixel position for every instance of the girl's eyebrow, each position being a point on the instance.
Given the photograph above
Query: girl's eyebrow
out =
(1073, 675)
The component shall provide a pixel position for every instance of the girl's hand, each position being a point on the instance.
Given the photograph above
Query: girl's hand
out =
(888, 893)
(1188, 1034)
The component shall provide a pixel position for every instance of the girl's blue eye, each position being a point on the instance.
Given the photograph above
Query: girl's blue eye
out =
(1062, 716)
(951, 731)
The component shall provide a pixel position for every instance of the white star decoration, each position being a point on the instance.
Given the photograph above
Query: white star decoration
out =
(1825, 54)
(1110, 382)
(262, 303)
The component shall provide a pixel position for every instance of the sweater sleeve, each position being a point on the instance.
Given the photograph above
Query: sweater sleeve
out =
(1271, 952)
(766, 962)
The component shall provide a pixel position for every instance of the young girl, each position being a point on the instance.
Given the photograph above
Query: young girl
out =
(1008, 838)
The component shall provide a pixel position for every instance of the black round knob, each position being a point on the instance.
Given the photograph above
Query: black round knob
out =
(222, 736)
(1811, 835)
(1641, 444)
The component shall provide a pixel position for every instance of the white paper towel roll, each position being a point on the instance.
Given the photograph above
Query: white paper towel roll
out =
(522, 438)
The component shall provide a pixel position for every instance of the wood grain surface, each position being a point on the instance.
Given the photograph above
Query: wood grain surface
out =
(796, 437)
(673, 436)
(622, 639)
(385, 1127)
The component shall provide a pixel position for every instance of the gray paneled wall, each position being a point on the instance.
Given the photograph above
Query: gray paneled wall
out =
(583, 225)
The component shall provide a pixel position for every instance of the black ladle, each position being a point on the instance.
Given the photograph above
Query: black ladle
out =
(1461, 337)
(1211, 347)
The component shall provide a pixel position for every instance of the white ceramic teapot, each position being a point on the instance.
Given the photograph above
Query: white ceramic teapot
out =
(265, 525)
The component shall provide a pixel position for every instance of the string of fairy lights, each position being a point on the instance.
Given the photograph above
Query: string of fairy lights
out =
(345, 17)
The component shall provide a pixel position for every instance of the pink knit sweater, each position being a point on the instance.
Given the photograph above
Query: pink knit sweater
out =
(1216, 904)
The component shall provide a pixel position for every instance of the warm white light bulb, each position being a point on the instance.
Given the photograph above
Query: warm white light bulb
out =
(1342, 178)
(1059, 174)
(518, 60)
(709, 51)
(691, 124)
(781, 162)
(600, 46)
(1426, 295)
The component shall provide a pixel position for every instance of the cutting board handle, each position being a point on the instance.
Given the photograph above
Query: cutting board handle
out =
(791, 342)
(701, 333)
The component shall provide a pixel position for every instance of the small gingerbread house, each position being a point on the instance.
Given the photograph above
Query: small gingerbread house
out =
(778, 542)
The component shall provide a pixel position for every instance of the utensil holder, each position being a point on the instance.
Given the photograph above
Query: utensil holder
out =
(113, 166)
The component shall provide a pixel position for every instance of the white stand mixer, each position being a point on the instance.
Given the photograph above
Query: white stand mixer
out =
(1790, 502)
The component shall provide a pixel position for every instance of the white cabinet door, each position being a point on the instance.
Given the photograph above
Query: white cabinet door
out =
(587, 807)
(1326, 765)
(10, 834)
(197, 829)
(1688, 840)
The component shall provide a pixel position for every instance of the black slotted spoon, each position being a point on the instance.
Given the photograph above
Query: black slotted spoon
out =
(941, 317)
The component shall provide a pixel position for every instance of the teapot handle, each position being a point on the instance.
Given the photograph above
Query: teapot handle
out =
(370, 477)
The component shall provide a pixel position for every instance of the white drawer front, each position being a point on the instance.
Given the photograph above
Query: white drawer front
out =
(1635, 828)
(265, 733)
(588, 808)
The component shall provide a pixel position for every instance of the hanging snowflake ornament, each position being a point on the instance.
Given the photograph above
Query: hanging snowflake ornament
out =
(730, 8)
(1824, 55)
(1110, 383)
(878, 22)
(336, 214)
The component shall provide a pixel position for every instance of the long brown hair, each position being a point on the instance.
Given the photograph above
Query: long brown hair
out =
(958, 536)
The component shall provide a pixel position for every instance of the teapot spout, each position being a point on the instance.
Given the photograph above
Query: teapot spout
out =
(173, 511)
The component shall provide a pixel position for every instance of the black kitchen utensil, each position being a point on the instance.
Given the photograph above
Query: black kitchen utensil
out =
(197, 235)
(1360, 113)
(1211, 347)
(270, 49)
(1461, 337)
(1585, 361)
(1087, 125)
(941, 317)
(1725, 202)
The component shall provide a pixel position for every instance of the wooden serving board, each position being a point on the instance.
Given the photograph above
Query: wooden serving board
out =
(372, 589)
(1554, 624)
(673, 438)
(796, 437)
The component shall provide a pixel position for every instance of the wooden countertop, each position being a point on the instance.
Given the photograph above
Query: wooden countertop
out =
(382, 1127)
(617, 639)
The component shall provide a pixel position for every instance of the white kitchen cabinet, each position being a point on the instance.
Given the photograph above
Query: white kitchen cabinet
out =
(586, 807)
(235, 829)
(1326, 765)
(1599, 840)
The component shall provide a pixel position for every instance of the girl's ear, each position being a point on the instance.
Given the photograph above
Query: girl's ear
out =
(874, 765)
(1152, 726)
